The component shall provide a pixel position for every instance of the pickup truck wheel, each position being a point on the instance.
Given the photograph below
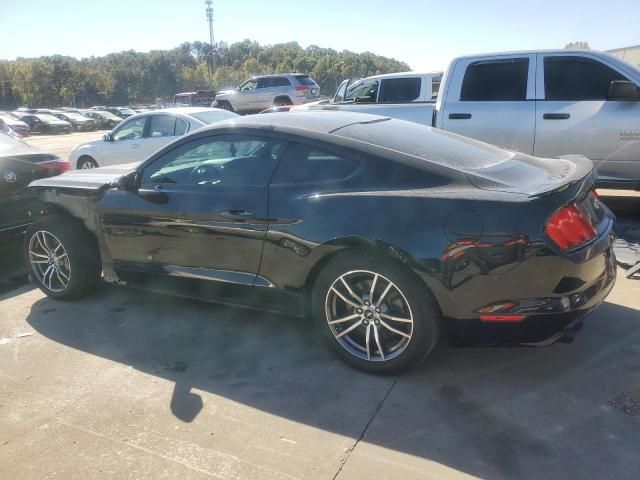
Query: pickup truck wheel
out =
(281, 101)
(86, 162)
(374, 314)
(63, 257)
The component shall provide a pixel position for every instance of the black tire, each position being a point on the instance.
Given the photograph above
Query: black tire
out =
(86, 160)
(82, 256)
(281, 101)
(224, 105)
(421, 306)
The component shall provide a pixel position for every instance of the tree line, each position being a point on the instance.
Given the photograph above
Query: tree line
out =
(129, 78)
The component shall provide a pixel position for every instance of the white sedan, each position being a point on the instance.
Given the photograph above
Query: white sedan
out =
(140, 135)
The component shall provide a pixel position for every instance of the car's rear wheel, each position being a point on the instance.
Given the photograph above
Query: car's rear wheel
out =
(374, 313)
(86, 163)
(282, 101)
(63, 257)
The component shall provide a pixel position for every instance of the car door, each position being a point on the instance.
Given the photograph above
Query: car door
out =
(265, 93)
(199, 212)
(125, 144)
(493, 100)
(163, 128)
(246, 95)
(574, 115)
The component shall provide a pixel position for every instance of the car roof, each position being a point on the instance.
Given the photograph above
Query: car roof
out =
(322, 121)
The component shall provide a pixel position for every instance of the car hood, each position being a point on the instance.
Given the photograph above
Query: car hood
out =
(93, 179)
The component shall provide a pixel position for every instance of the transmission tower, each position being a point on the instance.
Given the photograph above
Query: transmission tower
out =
(209, 10)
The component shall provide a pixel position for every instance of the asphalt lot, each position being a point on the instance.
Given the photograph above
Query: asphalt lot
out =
(129, 384)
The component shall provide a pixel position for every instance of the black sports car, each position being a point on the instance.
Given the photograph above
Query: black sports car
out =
(386, 232)
(19, 165)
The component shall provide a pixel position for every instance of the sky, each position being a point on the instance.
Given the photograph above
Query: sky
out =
(426, 34)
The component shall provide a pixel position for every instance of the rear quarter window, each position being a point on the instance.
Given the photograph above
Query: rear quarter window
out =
(306, 164)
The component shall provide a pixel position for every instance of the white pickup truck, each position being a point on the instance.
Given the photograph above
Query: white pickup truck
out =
(545, 103)
(401, 95)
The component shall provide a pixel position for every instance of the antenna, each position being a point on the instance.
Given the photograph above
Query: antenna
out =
(209, 10)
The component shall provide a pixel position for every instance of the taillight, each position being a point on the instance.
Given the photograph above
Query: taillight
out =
(302, 88)
(569, 227)
(53, 167)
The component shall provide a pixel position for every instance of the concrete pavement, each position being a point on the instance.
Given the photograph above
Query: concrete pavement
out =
(128, 384)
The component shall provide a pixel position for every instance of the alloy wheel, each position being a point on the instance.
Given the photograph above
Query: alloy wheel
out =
(369, 315)
(49, 261)
(86, 165)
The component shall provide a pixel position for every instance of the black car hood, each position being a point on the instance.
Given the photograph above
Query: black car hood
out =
(93, 179)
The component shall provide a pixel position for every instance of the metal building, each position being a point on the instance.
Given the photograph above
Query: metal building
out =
(629, 54)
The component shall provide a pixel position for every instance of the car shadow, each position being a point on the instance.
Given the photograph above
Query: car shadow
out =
(485, 411)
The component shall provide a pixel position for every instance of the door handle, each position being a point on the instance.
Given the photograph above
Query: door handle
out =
(459, 116)
(556, 116)
(238, 214)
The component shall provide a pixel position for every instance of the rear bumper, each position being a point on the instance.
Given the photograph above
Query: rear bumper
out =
(547, 319)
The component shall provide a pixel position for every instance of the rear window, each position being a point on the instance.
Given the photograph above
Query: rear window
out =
(426, 143)
(305, 80)
(213, 116)
(496, 80)
(400, 89)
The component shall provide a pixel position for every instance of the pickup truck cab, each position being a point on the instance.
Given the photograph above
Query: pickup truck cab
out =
(400, 95)
(549, 104)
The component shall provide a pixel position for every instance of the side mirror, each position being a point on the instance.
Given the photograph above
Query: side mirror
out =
(127, 182)
(107, 137)
(623, 90)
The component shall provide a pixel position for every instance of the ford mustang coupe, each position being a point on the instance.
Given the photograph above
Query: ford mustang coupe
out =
(387, 233)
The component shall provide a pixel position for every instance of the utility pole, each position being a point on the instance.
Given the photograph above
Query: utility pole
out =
(209, 10)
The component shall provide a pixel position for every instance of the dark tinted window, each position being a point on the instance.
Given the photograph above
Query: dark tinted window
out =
(280, 82)
(577, 78)
(225, 160)
(496, 80)
(303, 164)
(400, 89)
(305, 80)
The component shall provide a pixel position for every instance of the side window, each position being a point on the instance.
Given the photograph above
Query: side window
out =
(281, 82)
(496, 80)
(577, 78)
(248, 85)
(162, 126)
(304, 164)
(400, 89)
(264, 83)
(363, 92)
(131, 130)
(181, 127)
(435, 88)
(222, 160)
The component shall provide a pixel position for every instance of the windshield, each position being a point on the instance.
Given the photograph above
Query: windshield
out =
(213, 116)
(45, 117)
(74, 116)
(126, 111)
(109, 115)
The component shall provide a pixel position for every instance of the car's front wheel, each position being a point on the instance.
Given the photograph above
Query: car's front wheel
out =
(85, 163)
(63, 257)
(374, 313)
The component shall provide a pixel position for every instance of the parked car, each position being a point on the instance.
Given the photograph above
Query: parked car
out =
(79, 122)
(122, 112)
(20, 164)
(385, 231)
(17, 126)
(200, 98)
(142, 134)
(259, 93)
(104, 120)
(545, 103)
(43, 123)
